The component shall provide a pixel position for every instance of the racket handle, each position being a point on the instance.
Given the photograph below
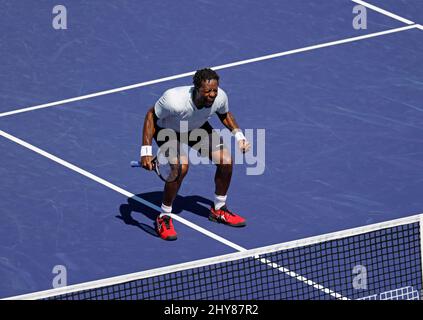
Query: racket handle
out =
(135, 164)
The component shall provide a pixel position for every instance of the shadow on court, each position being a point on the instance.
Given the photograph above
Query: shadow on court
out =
(195, 204)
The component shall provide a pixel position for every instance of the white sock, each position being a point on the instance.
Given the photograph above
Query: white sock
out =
(219, 201)
(165, 210)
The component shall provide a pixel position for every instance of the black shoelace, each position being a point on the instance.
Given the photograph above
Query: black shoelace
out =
(224, 208)
(166, 220)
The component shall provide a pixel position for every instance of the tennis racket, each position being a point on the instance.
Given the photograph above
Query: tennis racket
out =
(168, 168)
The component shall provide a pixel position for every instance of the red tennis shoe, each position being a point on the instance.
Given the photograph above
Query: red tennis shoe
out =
(164, 228)
(223, 215)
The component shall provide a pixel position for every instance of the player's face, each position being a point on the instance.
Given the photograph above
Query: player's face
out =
(208, 92)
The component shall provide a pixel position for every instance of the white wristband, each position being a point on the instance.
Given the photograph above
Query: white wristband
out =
(146, 151)
(239, 136)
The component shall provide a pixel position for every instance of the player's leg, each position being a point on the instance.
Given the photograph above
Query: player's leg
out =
(164, 223)
(171, 188)
(224, 166)
(221, 157)
(220, 212)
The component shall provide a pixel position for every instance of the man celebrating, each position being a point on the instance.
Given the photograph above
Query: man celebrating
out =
(195, 105)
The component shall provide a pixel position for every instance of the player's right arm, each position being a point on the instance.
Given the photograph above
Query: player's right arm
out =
(161, 110)
(149, 129)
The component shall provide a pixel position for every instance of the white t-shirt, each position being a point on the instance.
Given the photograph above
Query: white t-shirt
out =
(176, 105)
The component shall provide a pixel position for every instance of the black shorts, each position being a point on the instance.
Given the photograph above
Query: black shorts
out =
(204, 139)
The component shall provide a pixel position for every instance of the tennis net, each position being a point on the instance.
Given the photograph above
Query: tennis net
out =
(375, 262)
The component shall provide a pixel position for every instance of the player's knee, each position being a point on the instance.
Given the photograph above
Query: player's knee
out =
(225, 160)
(184, 165)
(184, 169)
(225, 164)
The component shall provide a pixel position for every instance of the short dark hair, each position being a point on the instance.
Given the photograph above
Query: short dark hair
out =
(203, 75)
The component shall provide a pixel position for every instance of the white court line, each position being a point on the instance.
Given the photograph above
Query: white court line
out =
(384, 12)
(225, 66)
(176, 217)
(301, 278)
(116, 188)
(232, 257)
(420, 27)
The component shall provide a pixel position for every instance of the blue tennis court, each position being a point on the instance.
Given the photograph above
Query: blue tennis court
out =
(341, 109)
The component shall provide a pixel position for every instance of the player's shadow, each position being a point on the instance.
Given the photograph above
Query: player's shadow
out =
(153, 200)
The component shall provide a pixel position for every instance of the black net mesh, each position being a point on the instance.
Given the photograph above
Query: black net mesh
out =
(382, 264)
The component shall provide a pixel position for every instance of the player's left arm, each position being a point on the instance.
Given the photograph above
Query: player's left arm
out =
(228, 120)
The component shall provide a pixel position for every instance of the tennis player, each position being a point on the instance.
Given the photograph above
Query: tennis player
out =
(194, 105)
